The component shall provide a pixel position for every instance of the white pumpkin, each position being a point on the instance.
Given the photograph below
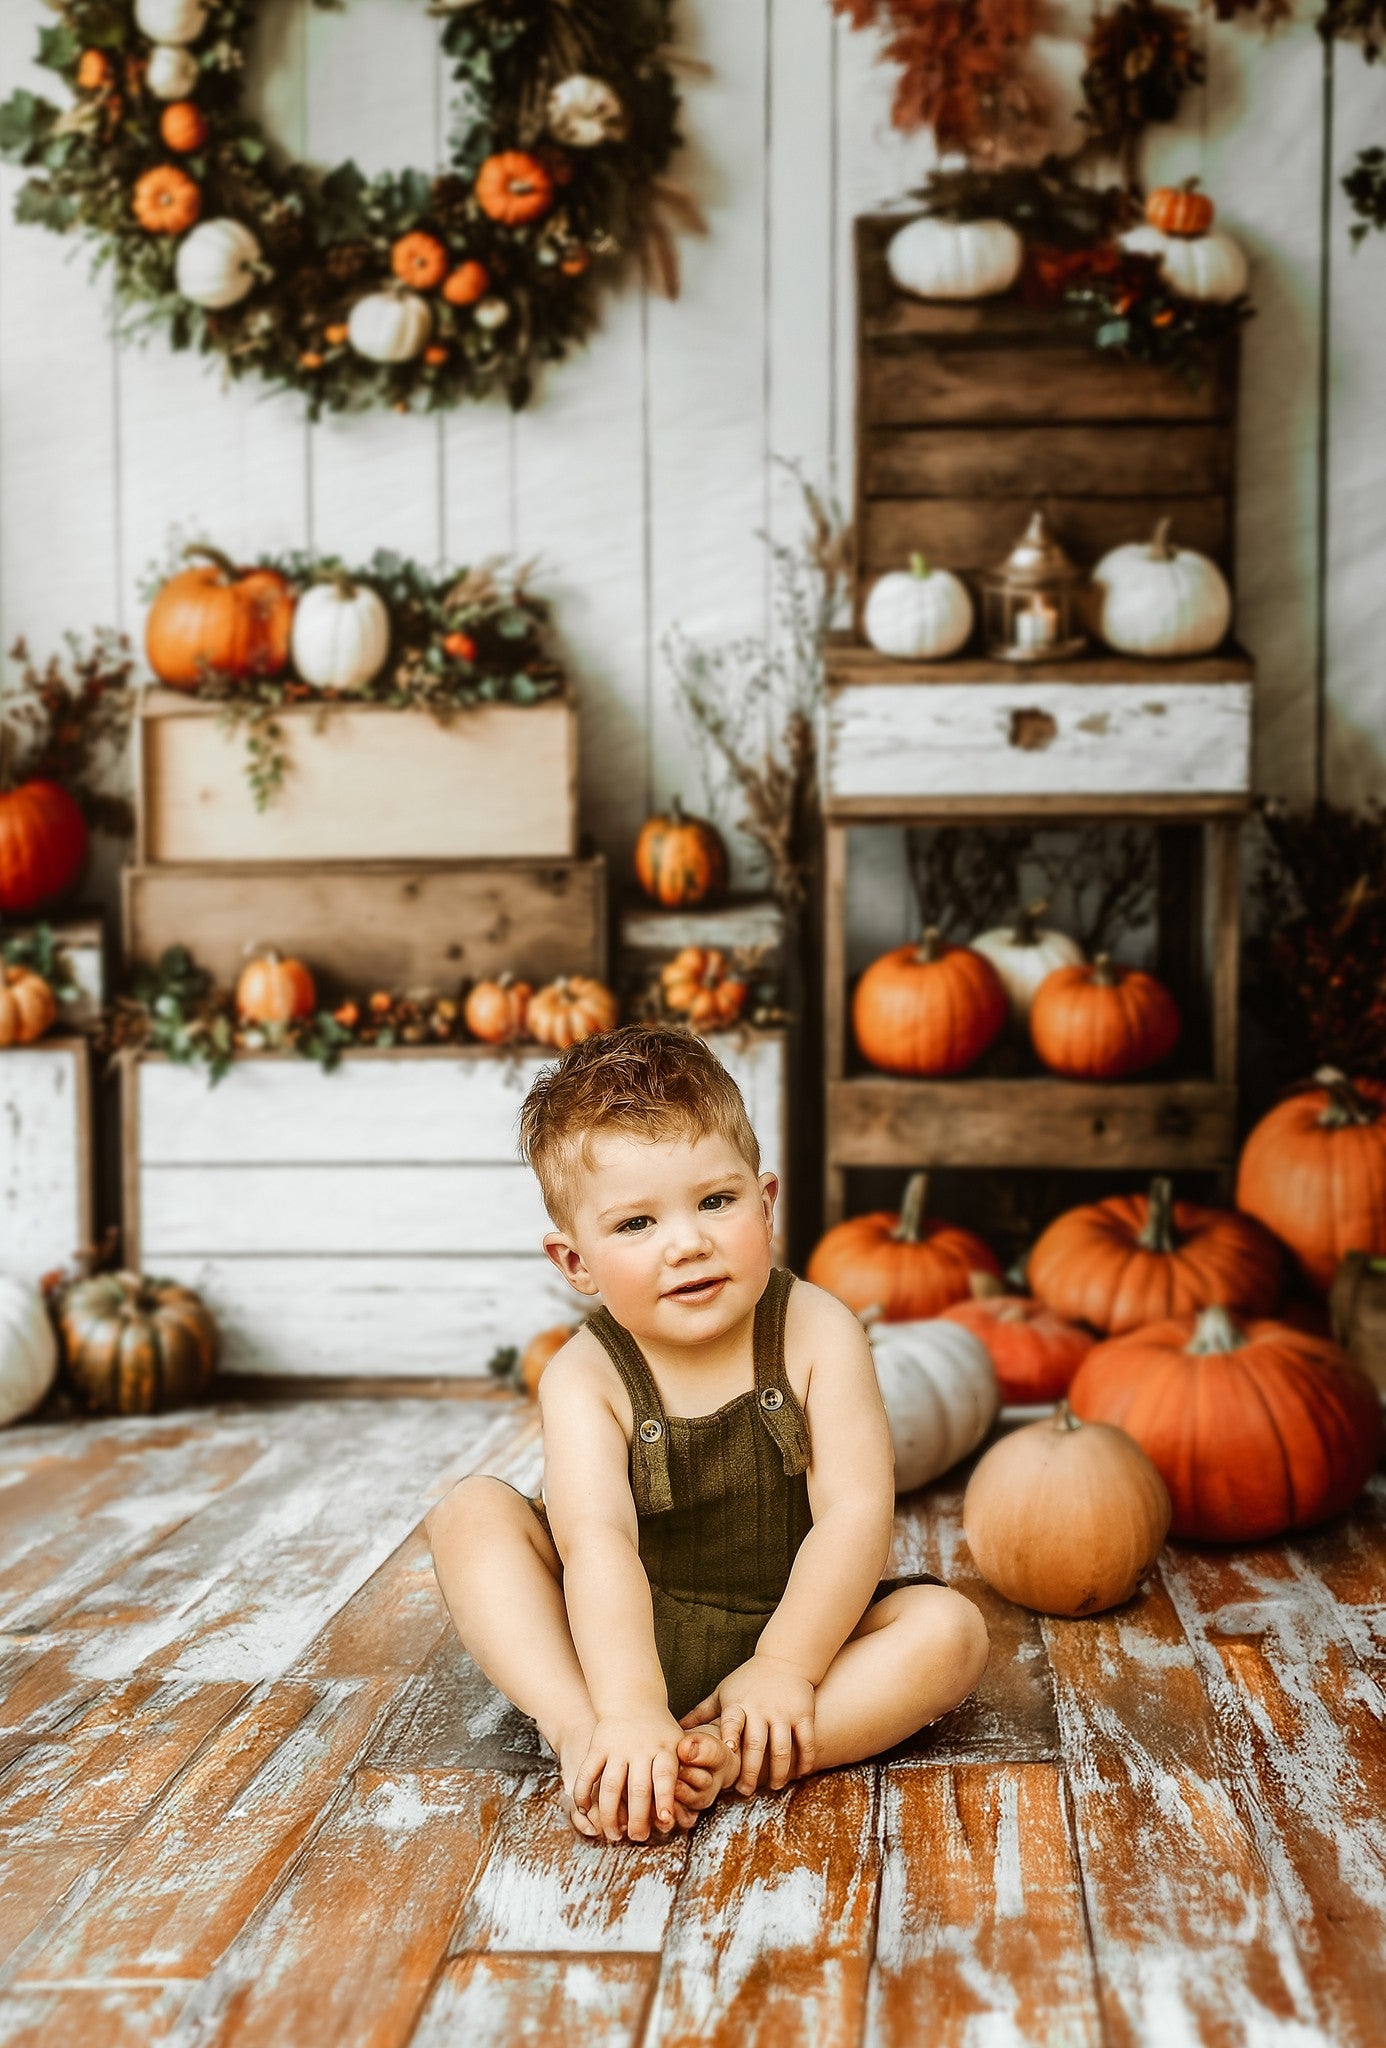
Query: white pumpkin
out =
(171, 21)
(918, 613)
(940, 1392)
(955, 259)
(341, 635)
(1151, 598)
(170, 73)
(1207, 266)
(28, 1350)
(217, 261)
(390, 327)
(491, 313)
(1023, 954)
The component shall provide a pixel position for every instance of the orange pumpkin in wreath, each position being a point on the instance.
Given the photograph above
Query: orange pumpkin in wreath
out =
(166, 200)
(420, 261)
(514, 187)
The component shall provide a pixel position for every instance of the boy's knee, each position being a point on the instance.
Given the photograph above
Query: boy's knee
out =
(953, 1638)
(472, 1504)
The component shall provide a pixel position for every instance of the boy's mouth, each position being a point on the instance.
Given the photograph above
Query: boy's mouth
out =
(697, 1290)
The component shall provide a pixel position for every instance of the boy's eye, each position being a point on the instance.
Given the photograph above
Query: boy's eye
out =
(718, 1199)
(634, 1224)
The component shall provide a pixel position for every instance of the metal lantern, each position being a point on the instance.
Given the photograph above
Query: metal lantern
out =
(1032, 603)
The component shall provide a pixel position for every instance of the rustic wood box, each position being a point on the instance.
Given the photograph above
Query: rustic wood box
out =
(395, 925)
(46, 1162)
(374, 1221)
(1358, 1307)
(968, 415)
(750, 931)
(365, 782)
(81, 937)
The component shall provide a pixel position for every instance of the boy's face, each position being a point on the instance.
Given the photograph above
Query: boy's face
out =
(673, 1233)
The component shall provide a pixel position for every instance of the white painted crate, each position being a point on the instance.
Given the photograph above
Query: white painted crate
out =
(371, 1222)
(45, 1156)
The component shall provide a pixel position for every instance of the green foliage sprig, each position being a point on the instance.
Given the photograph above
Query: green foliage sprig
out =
(42, 952)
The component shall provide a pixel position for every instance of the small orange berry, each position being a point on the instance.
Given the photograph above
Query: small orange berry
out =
(1162, 319)
(574, 265)
(435, 355)
(381, 1003)
(348, 1015)
(460, 646)
(310, 360)
(93, 71)
(336, 334)
(468, 283)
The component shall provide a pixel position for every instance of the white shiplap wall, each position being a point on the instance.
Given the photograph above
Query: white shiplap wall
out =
(643, 472)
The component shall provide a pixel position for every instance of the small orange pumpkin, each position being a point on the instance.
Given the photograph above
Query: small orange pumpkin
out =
(680, 859)
(274, 990)
(1035, 1352)
(540, 1352)
(93, 71)
(166, 200)
(569, 1009)
(419, 260)
(459, 647)
(495, 1010)
(1314, 1171)
(235, 622)
(514, 187)
(1180, 209)
(183, 127)
(468, 283)
(1101, 1022)
(698, 984)
(27, 1006)
(908, 1269)
(928, 1009)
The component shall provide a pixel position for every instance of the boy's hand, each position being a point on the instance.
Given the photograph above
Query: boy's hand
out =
(635, 1754)
(764, 1704)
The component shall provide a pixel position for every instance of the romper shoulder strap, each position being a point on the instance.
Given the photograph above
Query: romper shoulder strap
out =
(778, 1404)
(650, 1444)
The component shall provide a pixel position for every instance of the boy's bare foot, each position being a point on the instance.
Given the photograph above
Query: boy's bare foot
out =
(572, 1747)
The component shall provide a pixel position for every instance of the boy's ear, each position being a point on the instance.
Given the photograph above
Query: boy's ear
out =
(769, 1194)
(568, 1260)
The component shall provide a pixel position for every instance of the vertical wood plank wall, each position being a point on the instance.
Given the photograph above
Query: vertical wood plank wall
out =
(639, 479)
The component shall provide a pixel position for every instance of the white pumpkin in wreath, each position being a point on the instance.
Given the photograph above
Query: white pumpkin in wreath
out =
(941, 1396)
(919, 613)
(1023, 954)
(341, 635)
(1154, 599)
(28, 1350)
(390, 327)
(171, 21)
(217, 263)
(171, 73)
(955, 259)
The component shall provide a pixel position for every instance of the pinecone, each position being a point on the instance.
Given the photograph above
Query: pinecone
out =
(348, 263)
(451, 206)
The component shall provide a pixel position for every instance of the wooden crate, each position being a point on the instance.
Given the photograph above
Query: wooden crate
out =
(394, 925)
(81, 937)
(365, 782)
(374, 1221)
(1358, 1307)
(1106, 446)
(46, 1205)
(750, 931)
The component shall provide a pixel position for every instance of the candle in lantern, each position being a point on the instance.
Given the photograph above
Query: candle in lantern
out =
(1038, 625)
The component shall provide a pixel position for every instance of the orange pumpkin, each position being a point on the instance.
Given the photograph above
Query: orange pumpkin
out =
(459, 647)
(1179, 209)
(27, 1006)
(273, 990)
(166, 200)
(567, 1010)
(540, 1353)
(1314, 1172)
(235, 622)
(680, 859)
(514, 187)
(495, 1010)
(183, 127)
(93, 71)
(1254, 1430)
(420, 261)
(698, 984)
(928, 1009)
(1136, 1259)
(134, 1345)
(468, 283)
(1099, 1022)
(43, 843)
(907, 1268)
(1035, 1352)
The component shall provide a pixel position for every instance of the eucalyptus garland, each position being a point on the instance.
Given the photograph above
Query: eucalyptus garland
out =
(408, 289)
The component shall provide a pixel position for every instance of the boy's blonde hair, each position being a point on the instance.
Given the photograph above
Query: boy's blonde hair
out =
(650, 1080)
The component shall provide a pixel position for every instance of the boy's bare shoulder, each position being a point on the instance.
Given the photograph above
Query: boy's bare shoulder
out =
(815, 1315)
(578, 1376)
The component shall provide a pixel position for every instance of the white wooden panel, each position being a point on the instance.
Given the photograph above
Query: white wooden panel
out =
(370, 1210)
(395, 1318)
(894, 739)
(800, 202)
(45, 1173)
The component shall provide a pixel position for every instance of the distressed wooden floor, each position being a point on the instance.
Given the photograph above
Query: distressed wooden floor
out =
(251, 1790)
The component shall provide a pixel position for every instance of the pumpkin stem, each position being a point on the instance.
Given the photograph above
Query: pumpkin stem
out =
(1215, 1333)
(1064, 1417)
(6, 757)
(1158, 1234)
(919, 567)
(930, 947)
(867, 1316)
(343, 585)
(676, 811)
(984, 1286)
(908, 1229)
(1344, 1104)
(1160, 549)
(1104, 975)
(215, 556)
(1024, 933)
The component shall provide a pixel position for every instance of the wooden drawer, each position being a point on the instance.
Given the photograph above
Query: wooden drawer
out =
(365, 782)
(46, 1159)
(372, 1221)
(391, 925)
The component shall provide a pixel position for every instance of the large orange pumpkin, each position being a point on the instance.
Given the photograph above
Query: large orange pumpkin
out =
(1035, 1352)
(1253, 1429)
(1100, 1022)
(274, 990)
(215, 616)
(1314, 1171)
(43, 844)
(567, 1010)
(1134, 1259)
(906, 1267)
(514, 187)
(928, 1009)
(27, 1006)
(680, 859)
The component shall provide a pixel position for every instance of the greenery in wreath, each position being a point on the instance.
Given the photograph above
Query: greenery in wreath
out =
(408, 289)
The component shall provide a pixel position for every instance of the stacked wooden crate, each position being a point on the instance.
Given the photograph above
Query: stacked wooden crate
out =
(968, 417)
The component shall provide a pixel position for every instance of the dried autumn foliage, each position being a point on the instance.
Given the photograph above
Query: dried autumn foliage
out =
(960, 71)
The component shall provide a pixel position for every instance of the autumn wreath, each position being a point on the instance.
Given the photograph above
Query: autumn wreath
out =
(406, 289)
